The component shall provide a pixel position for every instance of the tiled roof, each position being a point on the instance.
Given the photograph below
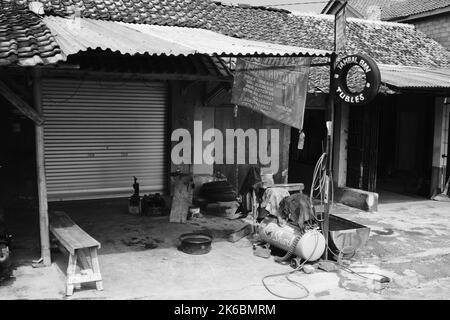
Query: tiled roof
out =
(388, 43)
(361, 6)
(25, 40)
(183, 13)
(411, 7)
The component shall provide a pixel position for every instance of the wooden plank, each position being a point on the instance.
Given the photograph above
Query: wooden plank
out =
(71, 243)
(71, 236)
(83, 278)
(40, 167)
(20, 104)
(65, 73)
(182, 197)
(290, 186)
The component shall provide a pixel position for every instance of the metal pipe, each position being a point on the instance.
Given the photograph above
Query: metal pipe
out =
(329, 152)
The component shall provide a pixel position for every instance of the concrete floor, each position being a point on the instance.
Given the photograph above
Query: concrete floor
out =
(409, 242)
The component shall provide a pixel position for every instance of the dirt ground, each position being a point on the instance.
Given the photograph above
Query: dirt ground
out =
(409, 243)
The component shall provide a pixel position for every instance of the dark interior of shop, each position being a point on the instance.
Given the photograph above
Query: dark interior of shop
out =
(302, 161)
(405, 144)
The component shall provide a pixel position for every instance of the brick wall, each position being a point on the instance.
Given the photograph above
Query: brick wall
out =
(436, 27)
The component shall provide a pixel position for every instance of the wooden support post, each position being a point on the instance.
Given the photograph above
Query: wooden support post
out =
(42, 185)
(440, 145)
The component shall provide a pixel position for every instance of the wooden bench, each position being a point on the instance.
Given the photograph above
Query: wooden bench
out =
(81, 247)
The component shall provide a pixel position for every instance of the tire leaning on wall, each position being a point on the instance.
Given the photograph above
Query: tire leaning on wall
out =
(372, 74)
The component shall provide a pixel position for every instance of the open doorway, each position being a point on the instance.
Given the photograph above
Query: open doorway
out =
(405, 142)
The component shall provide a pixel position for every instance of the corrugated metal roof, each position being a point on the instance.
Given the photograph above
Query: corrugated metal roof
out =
(81, 34)
(198, 66)
(404, 77)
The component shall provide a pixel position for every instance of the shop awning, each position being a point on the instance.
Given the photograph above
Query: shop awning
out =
(81, 34)
(416, 78)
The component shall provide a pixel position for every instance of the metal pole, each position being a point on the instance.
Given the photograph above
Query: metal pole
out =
(329, 152)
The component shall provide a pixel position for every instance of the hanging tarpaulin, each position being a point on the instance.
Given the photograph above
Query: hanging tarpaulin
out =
(275, 87)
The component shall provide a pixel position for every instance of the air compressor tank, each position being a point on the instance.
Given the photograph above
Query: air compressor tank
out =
(310, 246)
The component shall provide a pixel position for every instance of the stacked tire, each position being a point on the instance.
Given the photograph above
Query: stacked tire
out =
(218, 191)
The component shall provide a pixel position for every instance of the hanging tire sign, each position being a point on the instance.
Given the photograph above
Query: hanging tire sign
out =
(371, 86)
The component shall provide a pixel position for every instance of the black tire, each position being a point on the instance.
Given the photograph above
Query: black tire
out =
(217, 186)
(221, 197)
(218, 191)
(373, 79)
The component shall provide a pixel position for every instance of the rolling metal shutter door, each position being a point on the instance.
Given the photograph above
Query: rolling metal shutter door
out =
(99, 134)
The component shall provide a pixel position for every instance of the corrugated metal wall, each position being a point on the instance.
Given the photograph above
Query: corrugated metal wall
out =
(99, 134)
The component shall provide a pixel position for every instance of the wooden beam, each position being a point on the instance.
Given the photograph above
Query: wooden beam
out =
(20, 104)
(42, 185)
(324, 64)
(79, 74)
